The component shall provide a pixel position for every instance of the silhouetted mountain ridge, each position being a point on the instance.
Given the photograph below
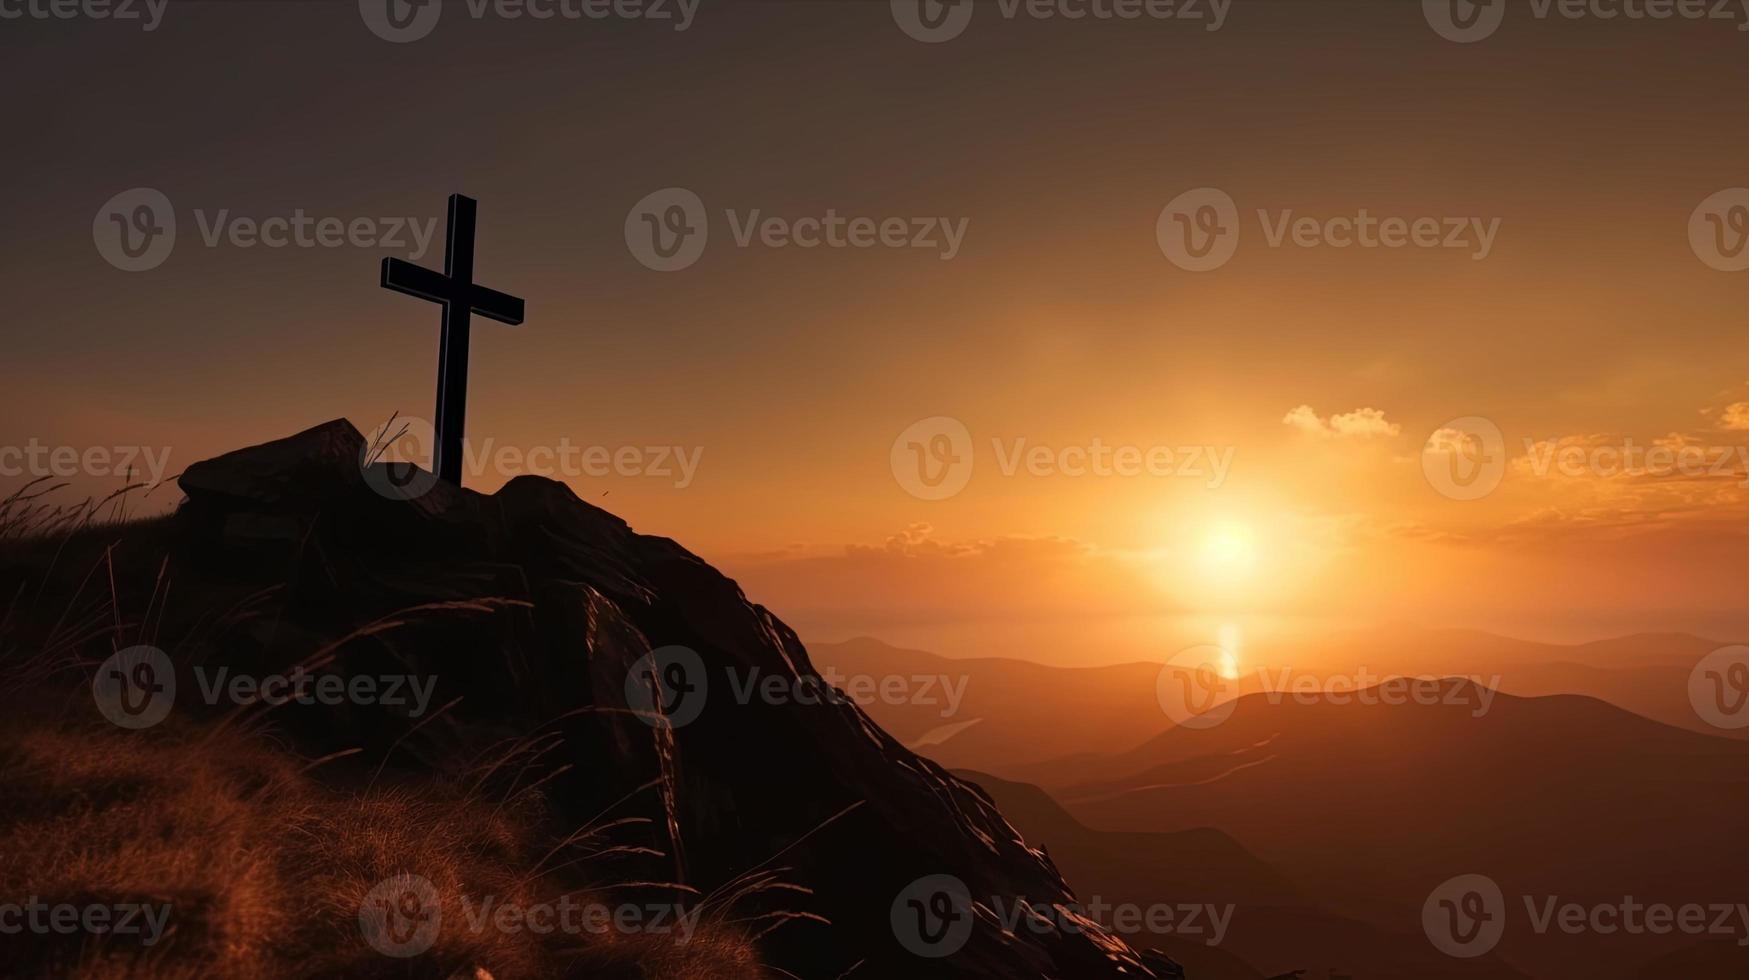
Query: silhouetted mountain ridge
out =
(1552, 796)
(532, 614)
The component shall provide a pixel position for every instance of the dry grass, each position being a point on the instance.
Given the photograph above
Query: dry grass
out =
(263, 863)
(30, 513)
(265, 871)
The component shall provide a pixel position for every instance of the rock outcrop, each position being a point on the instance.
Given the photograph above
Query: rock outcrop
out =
(535, 608)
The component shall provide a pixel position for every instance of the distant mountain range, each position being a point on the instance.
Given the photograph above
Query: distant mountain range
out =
(1268, 926)
(1557, 796)
(1338, 819)
(1013, 712)
(1010, 712)
(1645, 673)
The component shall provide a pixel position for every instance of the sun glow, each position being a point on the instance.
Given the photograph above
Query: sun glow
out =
(1228, 552)
(1229, 638)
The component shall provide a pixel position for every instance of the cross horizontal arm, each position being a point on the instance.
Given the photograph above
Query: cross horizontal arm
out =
(405, 277)
(494, 305)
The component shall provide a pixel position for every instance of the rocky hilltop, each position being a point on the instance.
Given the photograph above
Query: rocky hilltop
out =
(721, 762)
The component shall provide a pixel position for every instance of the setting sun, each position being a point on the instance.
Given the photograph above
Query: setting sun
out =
(1229, 551)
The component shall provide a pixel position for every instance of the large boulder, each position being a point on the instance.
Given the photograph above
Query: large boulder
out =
(541, 613)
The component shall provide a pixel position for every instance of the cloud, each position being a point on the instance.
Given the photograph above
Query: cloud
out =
(1454, 442)
(1603, 486)
(1729, 411)
(1362, 423)
(1735, 416)
(919, 541)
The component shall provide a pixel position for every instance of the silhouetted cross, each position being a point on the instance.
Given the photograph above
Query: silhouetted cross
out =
(454, 289)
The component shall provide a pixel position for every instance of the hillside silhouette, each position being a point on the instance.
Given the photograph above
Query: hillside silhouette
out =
(1380, 803)
(553, 761)
(1275, 927)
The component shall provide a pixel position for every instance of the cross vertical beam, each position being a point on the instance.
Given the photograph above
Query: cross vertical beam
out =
(455, 290)
(452, 350)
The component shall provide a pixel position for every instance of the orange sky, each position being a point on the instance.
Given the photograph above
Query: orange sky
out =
(790, 372)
